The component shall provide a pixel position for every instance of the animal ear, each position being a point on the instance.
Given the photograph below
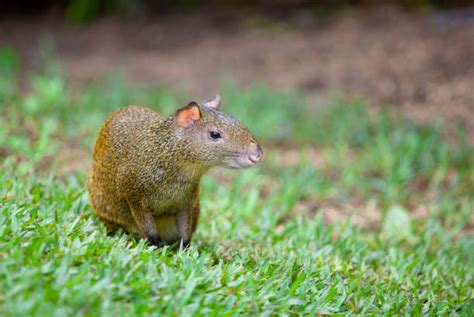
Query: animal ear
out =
(214, 103)
(188, 115)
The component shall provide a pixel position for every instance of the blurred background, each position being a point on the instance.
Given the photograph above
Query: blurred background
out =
(415, 55)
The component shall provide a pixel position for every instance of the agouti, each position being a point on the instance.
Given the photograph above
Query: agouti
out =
(146, 168)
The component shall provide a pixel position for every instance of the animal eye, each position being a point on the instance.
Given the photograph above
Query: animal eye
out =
(215, 134)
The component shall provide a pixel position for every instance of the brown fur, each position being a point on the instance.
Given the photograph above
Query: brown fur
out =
(146, 168)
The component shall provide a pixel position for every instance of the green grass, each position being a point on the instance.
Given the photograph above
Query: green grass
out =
(264, 244)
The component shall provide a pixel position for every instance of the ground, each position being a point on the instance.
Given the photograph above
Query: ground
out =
(355, 208)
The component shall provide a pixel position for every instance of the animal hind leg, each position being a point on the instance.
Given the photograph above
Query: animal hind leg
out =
(110, 226)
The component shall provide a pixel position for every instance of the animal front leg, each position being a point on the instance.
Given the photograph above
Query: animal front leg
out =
(146, 224)
(183, 223)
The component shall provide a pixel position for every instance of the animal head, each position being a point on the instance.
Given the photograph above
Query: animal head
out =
(216, 138)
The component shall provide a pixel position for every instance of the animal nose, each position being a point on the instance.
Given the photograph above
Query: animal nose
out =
(256, 155)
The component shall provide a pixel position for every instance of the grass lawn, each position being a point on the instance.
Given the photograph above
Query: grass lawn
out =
(349, 213)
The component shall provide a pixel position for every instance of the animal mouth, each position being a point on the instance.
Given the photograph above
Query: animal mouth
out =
(245, 160)
(253, 160)
(242, 163)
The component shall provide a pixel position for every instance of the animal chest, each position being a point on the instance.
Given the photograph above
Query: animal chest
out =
(171, 194)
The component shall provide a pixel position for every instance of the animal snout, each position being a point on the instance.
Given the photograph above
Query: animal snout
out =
(256, 154)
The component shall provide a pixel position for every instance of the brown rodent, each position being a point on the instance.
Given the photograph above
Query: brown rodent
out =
(146, 168)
